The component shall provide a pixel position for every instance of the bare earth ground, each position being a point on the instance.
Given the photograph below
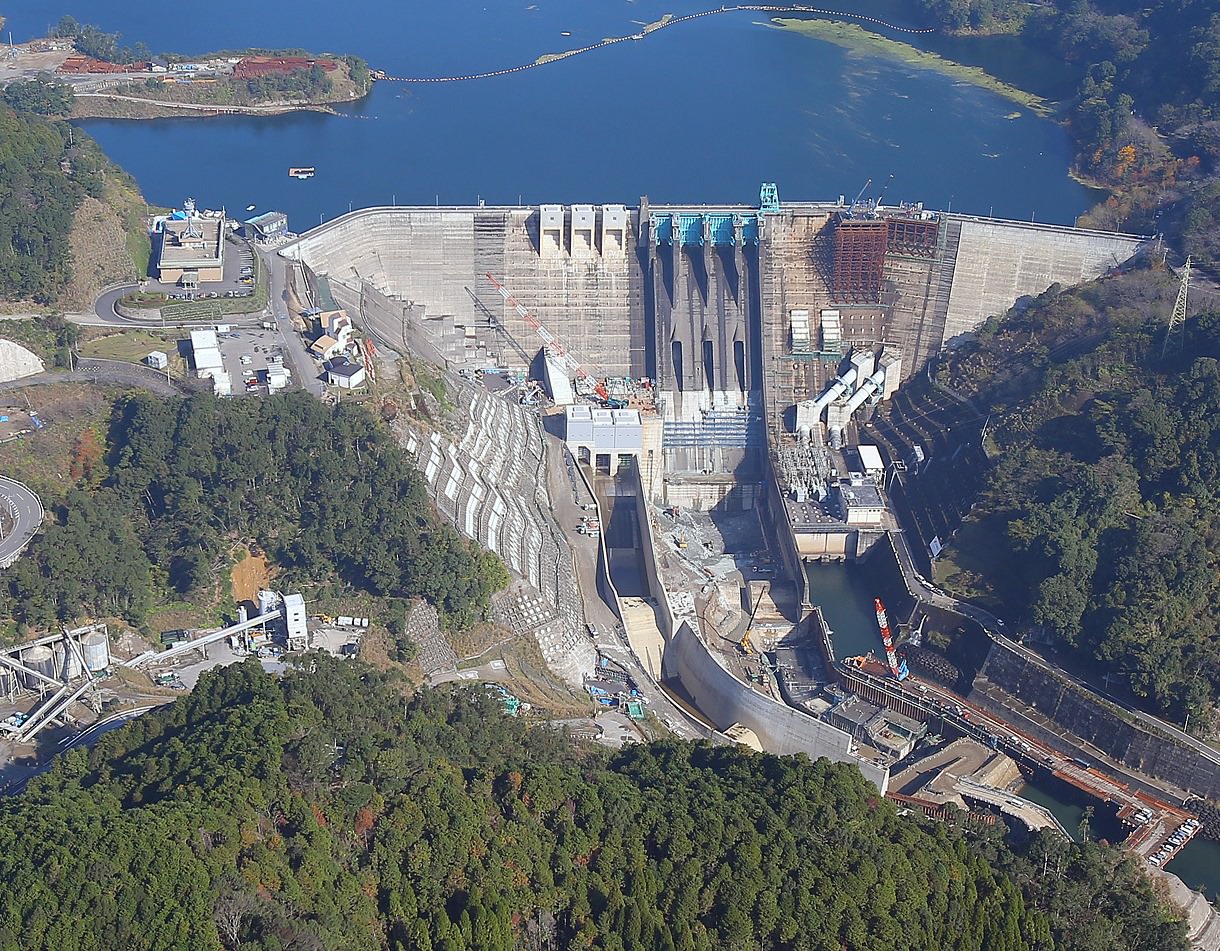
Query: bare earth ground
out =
(250, 574)
(99, 254)
(41, 460)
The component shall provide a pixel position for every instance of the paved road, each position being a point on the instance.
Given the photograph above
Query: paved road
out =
(26, 510)
(994, 627)
(304, 370)
(114, 371)
(19, 775)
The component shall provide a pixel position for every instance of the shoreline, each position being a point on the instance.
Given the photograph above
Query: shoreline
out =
(135, 108)
(861, 41)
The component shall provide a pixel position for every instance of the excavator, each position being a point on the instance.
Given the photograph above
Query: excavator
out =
(745, 646)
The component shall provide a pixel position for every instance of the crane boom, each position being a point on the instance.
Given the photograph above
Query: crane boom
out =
(579, 373)
(498, 326)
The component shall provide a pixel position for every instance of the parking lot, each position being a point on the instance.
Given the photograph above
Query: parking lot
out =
(246, 354)
(239, 279)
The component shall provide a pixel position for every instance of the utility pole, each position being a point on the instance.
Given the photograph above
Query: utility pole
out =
(1178, 317)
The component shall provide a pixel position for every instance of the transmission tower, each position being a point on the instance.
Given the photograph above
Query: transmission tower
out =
(1178, 317)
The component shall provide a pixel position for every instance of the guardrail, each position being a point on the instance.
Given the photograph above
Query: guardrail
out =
(11, 505)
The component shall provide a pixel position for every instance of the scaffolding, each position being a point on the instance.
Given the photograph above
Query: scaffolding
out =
(858, 259)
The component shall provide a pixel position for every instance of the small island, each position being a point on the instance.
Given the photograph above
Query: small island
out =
(96, 76)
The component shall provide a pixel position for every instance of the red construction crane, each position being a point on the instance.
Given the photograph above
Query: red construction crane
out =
(898, 666)
(582, 376)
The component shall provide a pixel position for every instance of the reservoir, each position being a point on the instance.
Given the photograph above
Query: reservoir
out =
(701, 112)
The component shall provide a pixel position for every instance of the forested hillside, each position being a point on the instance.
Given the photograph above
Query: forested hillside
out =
(323, 811)
(1146, 116)
(1105, 503)
(174, 484)
(43, 180)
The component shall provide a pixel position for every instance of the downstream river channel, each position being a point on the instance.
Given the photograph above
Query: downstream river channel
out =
(845, 593)
(700, 112)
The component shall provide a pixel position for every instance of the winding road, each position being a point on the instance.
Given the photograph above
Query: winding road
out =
(25, 509)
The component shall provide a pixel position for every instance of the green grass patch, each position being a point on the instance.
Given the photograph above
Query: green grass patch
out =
(432, 383)
(143, 299)
(131, 345)
(169, 615)
(863, 42)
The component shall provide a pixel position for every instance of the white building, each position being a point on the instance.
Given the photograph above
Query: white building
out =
(870, 462)
(205, 350)
(325, 347)
(222, 384)
(158, 360)
(277, 377)
(337, 325)
(345, 374)
(603, 438)
(860, 504)
(295, 622)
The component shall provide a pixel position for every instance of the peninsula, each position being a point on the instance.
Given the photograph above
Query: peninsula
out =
(99, 78)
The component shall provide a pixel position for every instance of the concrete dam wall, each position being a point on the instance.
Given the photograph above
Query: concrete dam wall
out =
(433, 258)
(998, 262)
(698, 298)
(780, 728)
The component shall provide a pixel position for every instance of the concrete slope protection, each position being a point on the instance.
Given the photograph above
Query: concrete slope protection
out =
(24, 512)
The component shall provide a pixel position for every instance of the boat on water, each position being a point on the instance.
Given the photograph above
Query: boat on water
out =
(250, 207)
(304, 172)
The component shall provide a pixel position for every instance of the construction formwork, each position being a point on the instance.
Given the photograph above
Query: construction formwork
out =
(859, 259)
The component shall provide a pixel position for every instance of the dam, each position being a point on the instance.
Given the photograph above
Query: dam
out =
(712, 371)
(740, 319)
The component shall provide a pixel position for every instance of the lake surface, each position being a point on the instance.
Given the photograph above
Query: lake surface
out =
(702, 112)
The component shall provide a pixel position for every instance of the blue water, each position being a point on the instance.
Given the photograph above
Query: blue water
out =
(1198, 865)
(704, 111)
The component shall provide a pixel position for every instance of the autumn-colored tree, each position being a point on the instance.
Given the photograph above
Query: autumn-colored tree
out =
(87, 465)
